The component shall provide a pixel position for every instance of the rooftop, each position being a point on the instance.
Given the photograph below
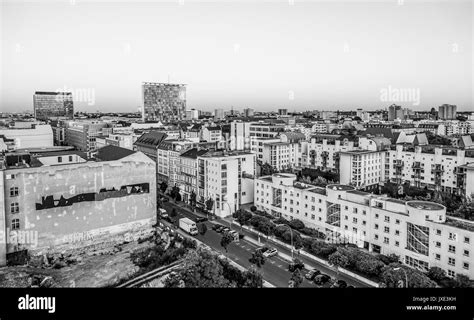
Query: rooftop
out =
(425, 205)
(111, 153)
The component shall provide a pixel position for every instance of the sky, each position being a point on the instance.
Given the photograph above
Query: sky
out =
(263, 55)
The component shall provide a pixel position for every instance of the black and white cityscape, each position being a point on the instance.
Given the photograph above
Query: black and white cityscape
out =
(193, 144)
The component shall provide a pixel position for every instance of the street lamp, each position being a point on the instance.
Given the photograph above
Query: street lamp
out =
(230, 211)
(406, 276)
(291, 233)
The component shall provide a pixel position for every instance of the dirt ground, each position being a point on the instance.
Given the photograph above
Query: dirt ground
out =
(94, 269)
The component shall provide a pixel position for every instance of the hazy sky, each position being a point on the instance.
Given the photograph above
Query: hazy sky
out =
(265, 55)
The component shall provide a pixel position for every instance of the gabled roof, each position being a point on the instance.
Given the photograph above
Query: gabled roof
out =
(151, 139)
(111, 153)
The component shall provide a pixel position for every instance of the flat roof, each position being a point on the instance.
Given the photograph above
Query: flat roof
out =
(340, 187)
(425, 205)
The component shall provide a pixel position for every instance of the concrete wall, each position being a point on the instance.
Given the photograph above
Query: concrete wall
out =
(88, 222)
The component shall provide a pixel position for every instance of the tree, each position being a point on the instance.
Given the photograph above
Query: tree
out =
(253, 279)
(436, 274)
(202, 228)
(173, 213)
(201, 269)
(416, 278)
(209, 204)
(253, 208)
(257, 258)
(463, 281)
(296, 224)
(296, 278)
(242, 217)
(193, 199)
(174, 191)
(339, 260)
(226, 240)
(163, 186)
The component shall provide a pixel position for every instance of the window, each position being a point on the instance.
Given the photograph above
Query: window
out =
(465, 265)
(355, 210)
(466, 253)
(386, 229)
(376, 216)
(452, 249)
(376, 237)
(364, 212)
(397, 221)
(13, 191)
(438, 232)
(438, 256)
(452, 236)
(364, 222)
(387, 219)
(466, 239)
(451, 273)
(451, 261)
(376, 226)
(312, 216)
(15, 224)
(385, 240)
(70, 158)
(60, 159)
(14, 207)
(354, 220)
(397, 243)
(438, 244)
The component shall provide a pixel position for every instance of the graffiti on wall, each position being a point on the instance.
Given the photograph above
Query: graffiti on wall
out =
(49, 202)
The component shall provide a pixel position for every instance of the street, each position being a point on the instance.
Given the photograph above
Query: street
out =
(275, 269)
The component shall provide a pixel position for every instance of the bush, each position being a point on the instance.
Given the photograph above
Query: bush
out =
(319, 248)
(436, 274)
(296, 224)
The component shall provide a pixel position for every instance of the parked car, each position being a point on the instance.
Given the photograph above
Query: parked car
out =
(311, 274)
(321, 279)
(270, 252)
(262, 249)
(225, 230)
(297, 264)
(200, 219)
(215, 227)
(339, 284)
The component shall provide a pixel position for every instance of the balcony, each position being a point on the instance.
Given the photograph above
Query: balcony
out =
(399, 164)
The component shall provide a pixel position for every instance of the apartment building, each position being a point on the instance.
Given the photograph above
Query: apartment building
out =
(239, 135)
(57, 200)
(227, 179)
(187, 172)
(211, 134)
(431, 167)
(417, 231)
(322, 152)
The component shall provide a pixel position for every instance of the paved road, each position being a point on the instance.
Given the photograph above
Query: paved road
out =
(275, 269)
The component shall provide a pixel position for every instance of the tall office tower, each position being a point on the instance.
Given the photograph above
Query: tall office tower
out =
(447, 112)
(53, 105)
(249, 112)
(219, 114)
(282, 112)
(163, 101)
(395, 112)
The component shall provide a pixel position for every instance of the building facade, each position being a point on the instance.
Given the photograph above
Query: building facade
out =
(419, 232)
(59, 201)
(163, 101)
(53, 105)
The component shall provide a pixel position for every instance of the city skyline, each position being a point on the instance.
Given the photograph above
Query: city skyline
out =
(240, 55)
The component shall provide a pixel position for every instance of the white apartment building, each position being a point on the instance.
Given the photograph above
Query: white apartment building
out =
(211, 134)
(417, 231)
(280, 154)
(227, 179)
(239, 135)
(323, 152)
(434, 168)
